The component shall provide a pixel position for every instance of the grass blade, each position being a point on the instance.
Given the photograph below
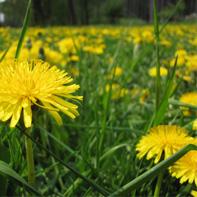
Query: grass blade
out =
(97, 187)
(159, 116)
(181, 104)
(24, 29)
(154, 171)
(112, 150)
(157, 39)
(4, 54)
(6, 170)
(170, 16)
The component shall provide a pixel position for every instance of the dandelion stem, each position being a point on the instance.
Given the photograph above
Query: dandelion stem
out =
(89, 181)
(30, 158)
(158, 185)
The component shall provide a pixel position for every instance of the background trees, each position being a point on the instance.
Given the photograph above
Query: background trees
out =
(83, 12)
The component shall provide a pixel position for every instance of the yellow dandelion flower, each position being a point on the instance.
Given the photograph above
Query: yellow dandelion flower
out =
(147, 36)
(116, 90)
(182, 57)
(187, 78)
(23, 84)
(162, 141)
(192, 63)
(117, 72)
(166, 43)
(153, 71)
(74, 58)
(193, 42)
(181, 53)
(194, 193)
(68, 45)
(52, 56)
(137, 40)
(194, 124)
(94, 49)
(180, 61)
(188, 98)
(185, 168)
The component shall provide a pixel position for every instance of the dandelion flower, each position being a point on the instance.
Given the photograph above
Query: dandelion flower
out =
(181, 53)
(117, 72)
(182, 56)
(162, 141)
(166, 42)
(185, 168)
(23, 84)
(153, 71)
(192, 63)
(194, 124)
(189, 98)
(116, 90)
(194, 193)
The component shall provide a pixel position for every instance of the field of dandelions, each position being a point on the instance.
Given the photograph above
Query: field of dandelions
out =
(87, 105)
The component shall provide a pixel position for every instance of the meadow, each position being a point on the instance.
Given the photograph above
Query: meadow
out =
(98, 152)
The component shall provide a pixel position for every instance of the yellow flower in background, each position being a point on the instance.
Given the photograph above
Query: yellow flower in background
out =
(193, 41)
(117, 91)
(94, 49)
(166, 43)
(116, 71)
(162, 140)
(23, 84)
(181, 53)
(180, 61)
(184, 75)
(53, 57)
(74, 58)
(153, 71)
(137, 40)
(68, 45)
(182, 57)
(192, 63)
(187, 78)
(148, 36)
(194, 124)
(188, 98)
(25, 53)
(185, 168)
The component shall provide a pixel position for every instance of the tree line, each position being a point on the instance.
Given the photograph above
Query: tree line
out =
(84, 12)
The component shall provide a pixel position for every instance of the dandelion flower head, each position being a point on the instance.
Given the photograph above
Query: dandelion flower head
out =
(27, 83)
(185, 168)
(162, 141)
(194, 193)
(153, 71)
(189, 98)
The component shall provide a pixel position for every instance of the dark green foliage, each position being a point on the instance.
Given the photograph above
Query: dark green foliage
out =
(80, 12)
